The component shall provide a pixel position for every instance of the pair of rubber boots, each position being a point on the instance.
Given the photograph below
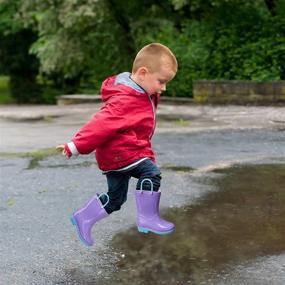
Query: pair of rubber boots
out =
(148, 218)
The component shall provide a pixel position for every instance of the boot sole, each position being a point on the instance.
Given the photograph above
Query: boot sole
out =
(74, 222)
(145, 231)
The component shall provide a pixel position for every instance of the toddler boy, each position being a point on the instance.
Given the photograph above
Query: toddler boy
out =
(120, 134)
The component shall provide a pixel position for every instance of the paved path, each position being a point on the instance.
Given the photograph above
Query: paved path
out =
(38, 127)
(38, 244)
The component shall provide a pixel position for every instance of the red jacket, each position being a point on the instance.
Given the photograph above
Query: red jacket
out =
(121, 131)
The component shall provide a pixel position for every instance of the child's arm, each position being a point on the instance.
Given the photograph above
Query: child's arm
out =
(103, 126)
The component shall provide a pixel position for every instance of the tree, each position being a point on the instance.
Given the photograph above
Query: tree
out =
(15, 42)
(75, 41)
(73, 37)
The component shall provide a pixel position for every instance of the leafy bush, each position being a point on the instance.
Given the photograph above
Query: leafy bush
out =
(248, 45)
(230, 40)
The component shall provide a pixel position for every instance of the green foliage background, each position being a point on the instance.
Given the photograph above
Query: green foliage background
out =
(70, 46)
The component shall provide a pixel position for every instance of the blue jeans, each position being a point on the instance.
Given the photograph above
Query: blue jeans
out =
(118, 183)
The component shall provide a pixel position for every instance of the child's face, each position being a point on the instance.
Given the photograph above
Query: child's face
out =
(155, 82)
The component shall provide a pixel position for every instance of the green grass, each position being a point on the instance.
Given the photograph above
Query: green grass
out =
(40, 154)
(5, 96)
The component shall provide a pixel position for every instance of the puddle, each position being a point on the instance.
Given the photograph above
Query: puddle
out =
(174, 118)
(243, 220)
(31, 118)
(35, 163)
(177, 168)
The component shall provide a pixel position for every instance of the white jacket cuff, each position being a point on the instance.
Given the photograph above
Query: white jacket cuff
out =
(73, 149)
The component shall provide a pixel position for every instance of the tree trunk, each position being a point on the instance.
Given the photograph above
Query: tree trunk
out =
(270, 4)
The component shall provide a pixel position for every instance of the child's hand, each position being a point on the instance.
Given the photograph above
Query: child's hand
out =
(61, 148)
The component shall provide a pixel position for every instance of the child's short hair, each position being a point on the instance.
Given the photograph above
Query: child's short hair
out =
(154, 55)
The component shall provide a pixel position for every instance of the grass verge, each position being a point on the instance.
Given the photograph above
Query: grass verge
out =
(5, 95)
(39, 154)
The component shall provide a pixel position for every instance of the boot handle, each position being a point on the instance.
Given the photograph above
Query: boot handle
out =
(103, 206)
(151, 184)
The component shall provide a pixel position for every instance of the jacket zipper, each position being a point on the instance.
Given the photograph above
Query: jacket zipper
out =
(154, 117)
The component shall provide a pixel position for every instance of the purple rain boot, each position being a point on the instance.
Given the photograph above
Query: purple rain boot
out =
(87, 216)
(148, 219)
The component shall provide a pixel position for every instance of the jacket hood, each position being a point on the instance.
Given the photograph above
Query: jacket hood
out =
(120, 84)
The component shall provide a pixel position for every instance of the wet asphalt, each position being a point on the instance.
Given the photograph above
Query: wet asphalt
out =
(38, 245)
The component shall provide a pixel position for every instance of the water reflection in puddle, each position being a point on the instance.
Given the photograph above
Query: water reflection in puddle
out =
(244, 219)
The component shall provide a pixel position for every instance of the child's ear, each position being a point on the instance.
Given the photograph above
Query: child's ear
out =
(142, 72)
